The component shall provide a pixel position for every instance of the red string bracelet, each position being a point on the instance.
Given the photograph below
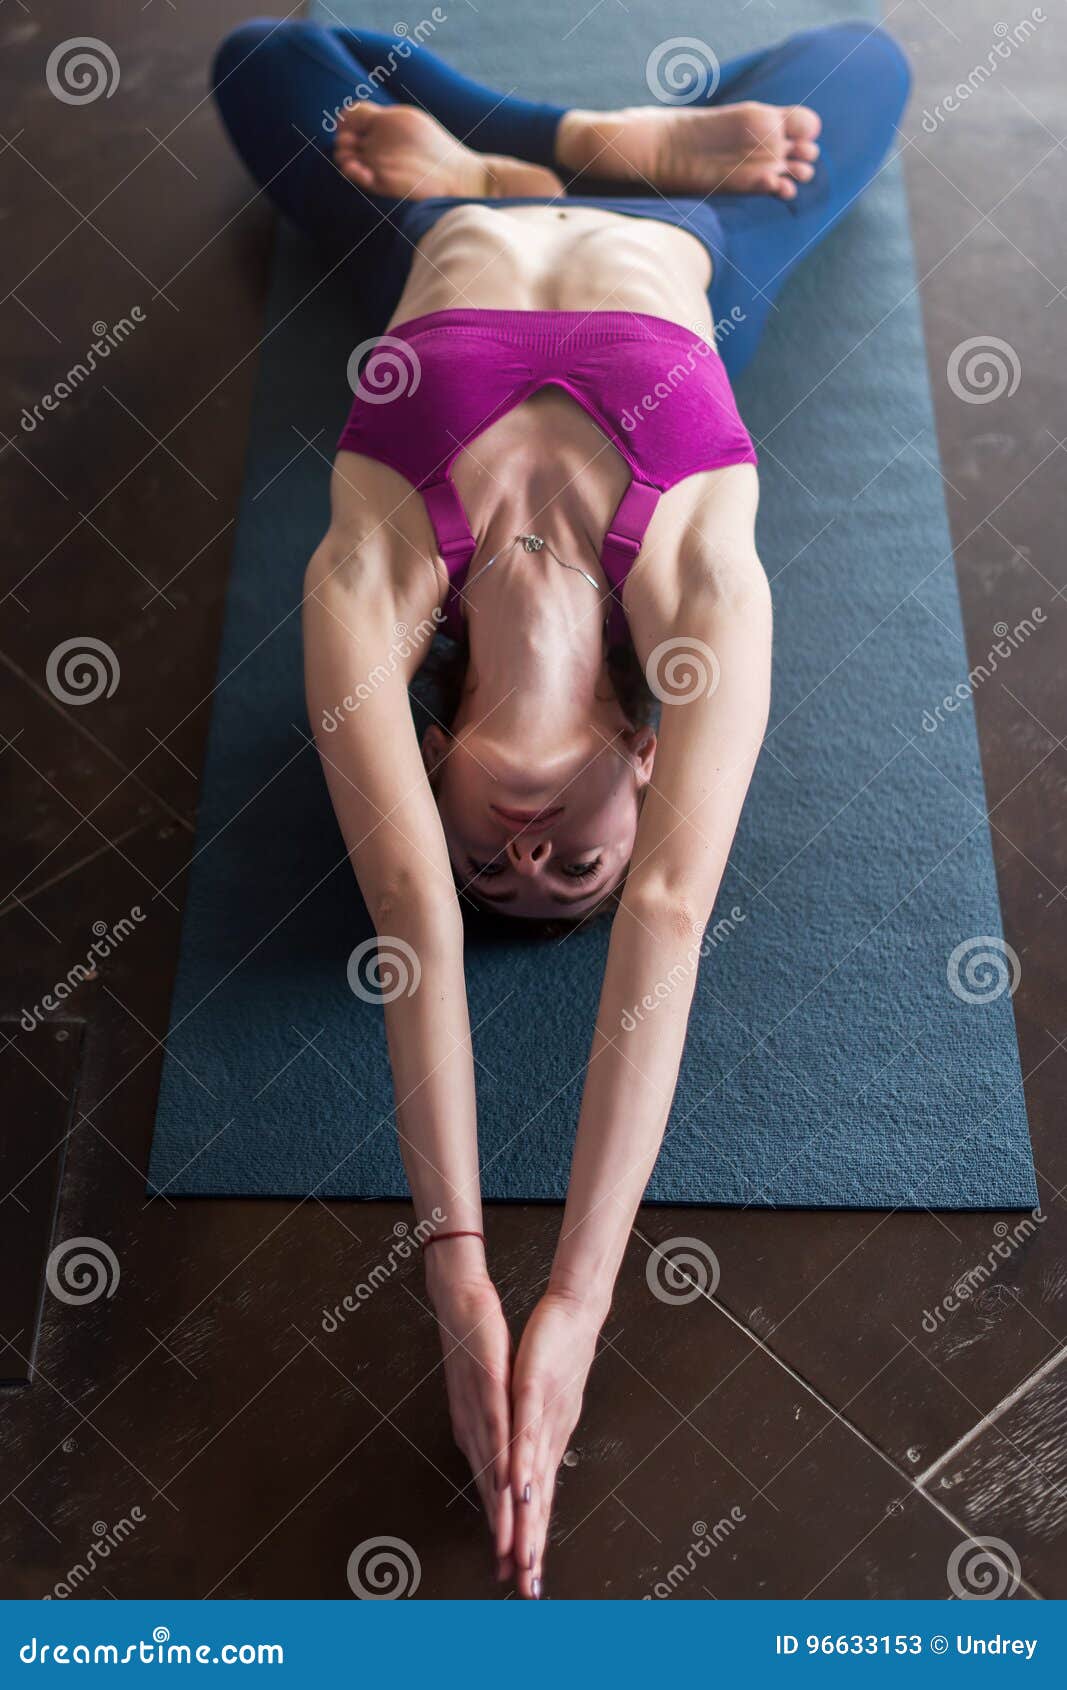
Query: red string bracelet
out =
(439, 1237)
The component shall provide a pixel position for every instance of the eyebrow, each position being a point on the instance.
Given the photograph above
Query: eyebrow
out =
(512, 897)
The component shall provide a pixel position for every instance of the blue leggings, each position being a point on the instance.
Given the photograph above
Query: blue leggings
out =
(279, 86)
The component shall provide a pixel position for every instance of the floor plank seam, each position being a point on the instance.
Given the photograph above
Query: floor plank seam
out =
(909, 1479)
(1049, 1365)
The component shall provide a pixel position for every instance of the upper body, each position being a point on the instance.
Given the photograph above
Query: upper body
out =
(543, 795)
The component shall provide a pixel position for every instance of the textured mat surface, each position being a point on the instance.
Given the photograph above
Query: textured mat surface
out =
(839, 1052)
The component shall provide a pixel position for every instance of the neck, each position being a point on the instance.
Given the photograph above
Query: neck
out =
(536, 636)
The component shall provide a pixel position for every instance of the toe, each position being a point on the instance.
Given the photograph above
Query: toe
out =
(807, 150)
(799, 171)
(786, 189)
(802, 124)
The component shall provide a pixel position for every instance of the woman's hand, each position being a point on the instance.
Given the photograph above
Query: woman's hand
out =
(477, 1352)
(548, 1382)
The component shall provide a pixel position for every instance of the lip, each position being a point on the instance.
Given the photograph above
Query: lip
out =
(527, 818)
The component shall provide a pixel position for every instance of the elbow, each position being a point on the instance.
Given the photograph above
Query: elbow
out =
(405, 907)
(665, 909)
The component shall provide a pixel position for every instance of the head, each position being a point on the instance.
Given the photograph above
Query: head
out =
(540, 813)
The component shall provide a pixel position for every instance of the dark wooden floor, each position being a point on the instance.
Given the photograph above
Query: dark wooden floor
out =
(202, 1410)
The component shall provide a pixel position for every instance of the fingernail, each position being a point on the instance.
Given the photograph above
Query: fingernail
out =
(535, 1589)
(526, 1492)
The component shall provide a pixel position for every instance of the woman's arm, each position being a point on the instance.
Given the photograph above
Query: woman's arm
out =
(364, 636)
(707, 750)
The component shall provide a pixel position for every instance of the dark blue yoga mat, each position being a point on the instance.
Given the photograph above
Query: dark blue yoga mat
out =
(840, 1053)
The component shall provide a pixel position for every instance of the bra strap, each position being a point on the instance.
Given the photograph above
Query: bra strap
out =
(455, 542)
(622, 542)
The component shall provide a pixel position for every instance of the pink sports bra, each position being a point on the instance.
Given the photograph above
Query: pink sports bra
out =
(659, 392)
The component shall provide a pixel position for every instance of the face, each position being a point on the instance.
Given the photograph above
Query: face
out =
(539, 836)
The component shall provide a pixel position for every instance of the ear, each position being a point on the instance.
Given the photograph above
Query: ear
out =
(640, 745)
(434, 748)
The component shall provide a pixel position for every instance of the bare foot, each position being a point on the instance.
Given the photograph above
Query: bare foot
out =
(477, 1352)
(749, 148)
(548, 1382)
(401, 152)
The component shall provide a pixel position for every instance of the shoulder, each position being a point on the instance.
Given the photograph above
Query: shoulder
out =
(700, 558)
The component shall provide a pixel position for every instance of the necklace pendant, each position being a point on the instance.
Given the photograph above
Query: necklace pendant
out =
(532, 542)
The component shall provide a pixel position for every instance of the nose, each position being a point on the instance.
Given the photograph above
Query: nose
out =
(528, 856)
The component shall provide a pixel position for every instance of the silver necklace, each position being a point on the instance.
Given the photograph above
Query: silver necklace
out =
(534, 543)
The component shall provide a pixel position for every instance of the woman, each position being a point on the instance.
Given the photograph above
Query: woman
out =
(545, 450)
